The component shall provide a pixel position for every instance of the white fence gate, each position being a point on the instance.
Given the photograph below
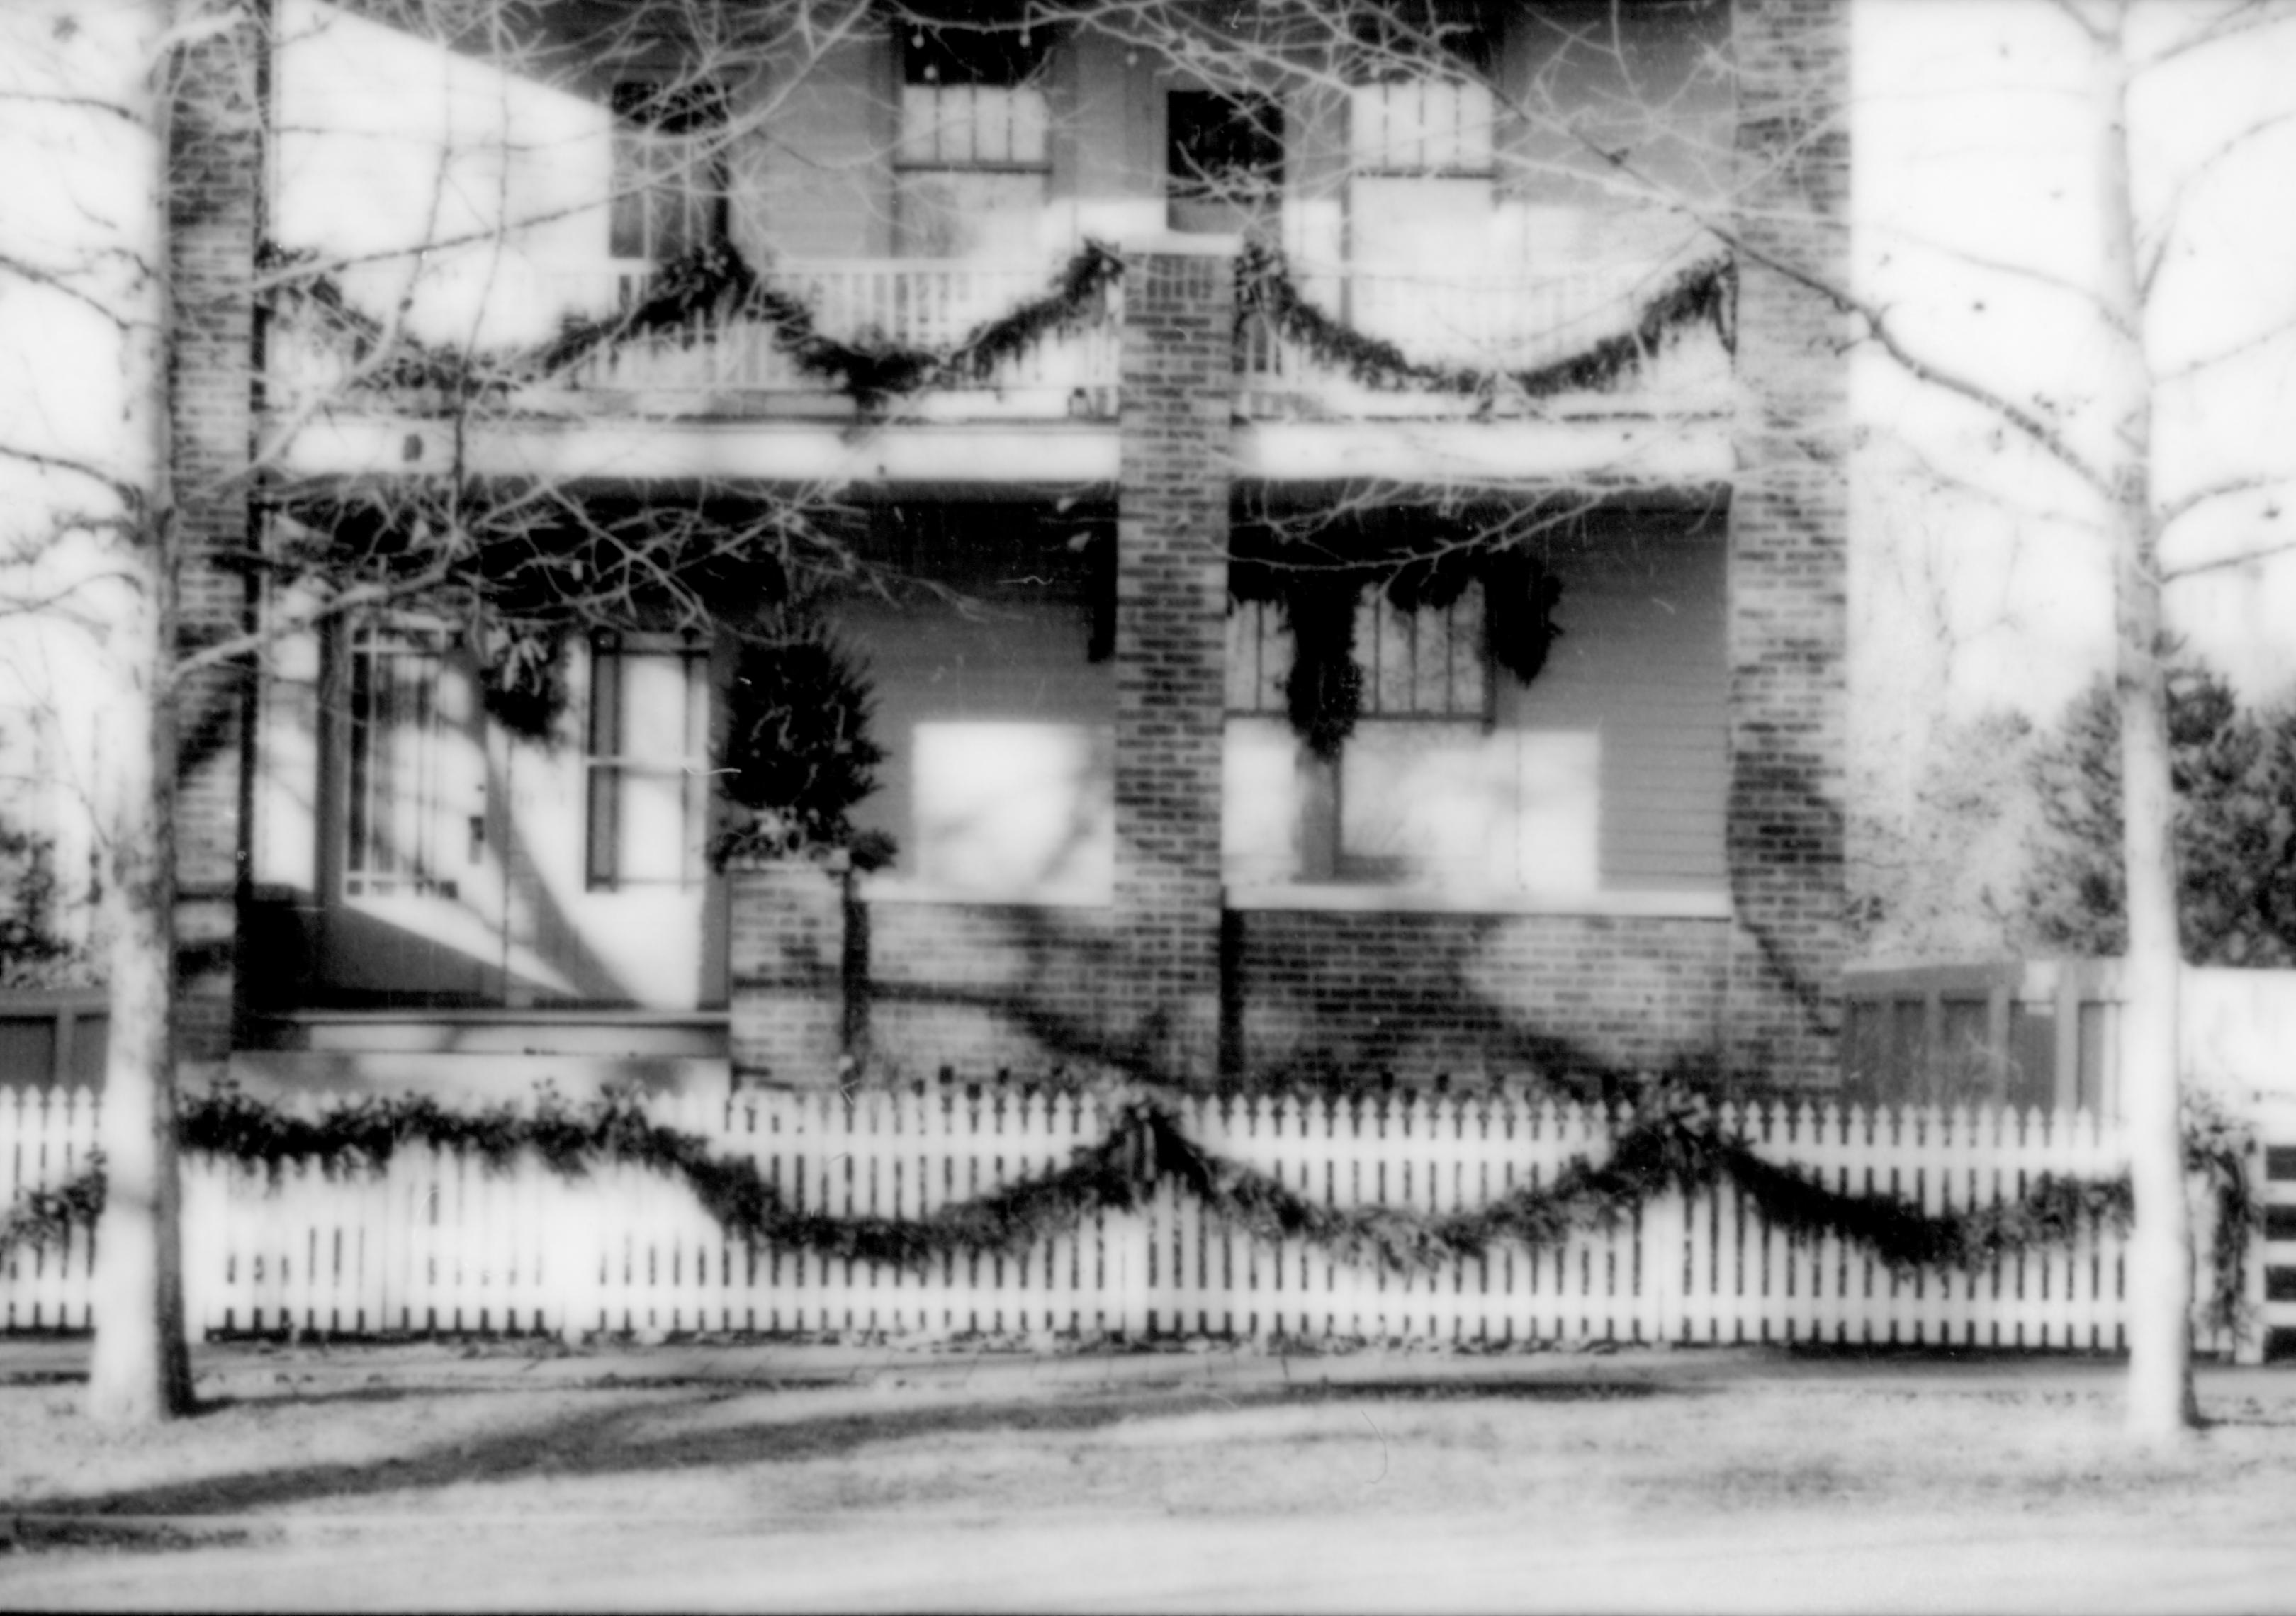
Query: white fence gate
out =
(439, 1242)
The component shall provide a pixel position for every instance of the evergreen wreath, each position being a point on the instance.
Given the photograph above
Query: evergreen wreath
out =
(1671, 1143)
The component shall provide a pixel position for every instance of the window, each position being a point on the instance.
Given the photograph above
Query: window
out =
(974, 149)
(670, 170)
(648, 764)
(398, 818)
(1430, 790)
(1421, 125)
(1224, 161)
(1422, 101)
(1015, 806)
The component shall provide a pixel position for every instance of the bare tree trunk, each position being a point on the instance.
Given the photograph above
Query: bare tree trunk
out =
(2160, 1403)
(141, 1369)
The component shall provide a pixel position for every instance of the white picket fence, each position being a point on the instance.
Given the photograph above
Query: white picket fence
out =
(440, 1243)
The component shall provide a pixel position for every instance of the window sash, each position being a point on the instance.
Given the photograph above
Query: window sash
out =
(393, 831)
(1422, 126)
(1422, 665)
(974, 126)
(647, 798)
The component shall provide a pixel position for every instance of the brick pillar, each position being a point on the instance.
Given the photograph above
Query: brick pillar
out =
(1178, 383)
(1788, 527)
(785, 971)
(213, 217)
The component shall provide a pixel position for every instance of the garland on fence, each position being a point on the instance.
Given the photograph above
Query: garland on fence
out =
(1673, 1144)
(711, 279)
(1702, 294)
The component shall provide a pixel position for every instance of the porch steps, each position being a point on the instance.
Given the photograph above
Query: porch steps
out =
(2279, 1191)
(473, 1078)
(488, 1055)
(432, 1031)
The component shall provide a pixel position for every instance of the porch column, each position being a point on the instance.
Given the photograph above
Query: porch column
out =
(215, 167)
(1788, 525)
(1178, 382)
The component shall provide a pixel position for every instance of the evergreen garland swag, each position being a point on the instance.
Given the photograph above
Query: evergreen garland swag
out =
(712, 279)
(1671, 1143)
(1703, 294)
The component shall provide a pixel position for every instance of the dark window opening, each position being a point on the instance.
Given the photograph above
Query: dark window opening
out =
(974, 49)
(1224, 160)
(1408, 39)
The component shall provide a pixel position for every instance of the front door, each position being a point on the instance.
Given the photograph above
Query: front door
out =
(416, 905)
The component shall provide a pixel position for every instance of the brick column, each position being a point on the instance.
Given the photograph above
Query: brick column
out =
(1178, 380)
(1788, 528)
(213, 217)
(785, 971)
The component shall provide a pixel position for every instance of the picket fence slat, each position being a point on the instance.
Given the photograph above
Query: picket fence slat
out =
(436, 1241)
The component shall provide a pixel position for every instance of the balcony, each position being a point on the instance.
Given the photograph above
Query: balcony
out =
(1354, 346)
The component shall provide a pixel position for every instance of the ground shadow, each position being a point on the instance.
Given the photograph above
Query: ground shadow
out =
(657, 1435)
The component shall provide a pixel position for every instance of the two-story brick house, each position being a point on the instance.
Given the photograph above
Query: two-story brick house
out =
(1364, 317)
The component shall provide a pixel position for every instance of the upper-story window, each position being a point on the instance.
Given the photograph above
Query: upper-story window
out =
(1422, 101)
(975, 150)
(1224, 161)
(670, 170)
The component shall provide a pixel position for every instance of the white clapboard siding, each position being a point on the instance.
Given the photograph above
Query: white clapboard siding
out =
(437, 1242)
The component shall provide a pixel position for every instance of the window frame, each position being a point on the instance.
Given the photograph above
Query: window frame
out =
(1259, 663)
(667, 135)
(376, 802)
(605, 773)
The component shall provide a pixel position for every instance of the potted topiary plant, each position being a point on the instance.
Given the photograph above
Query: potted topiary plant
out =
(796, 757)
(794, 760)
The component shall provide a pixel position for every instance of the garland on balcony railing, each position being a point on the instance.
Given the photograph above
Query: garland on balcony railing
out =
(1671, 1143)
(711, 280)
(1705, 293)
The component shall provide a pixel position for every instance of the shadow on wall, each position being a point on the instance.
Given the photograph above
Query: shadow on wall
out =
(1334, 1000)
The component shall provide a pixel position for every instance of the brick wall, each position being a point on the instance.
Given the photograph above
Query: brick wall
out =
(1171, 583)
(984, 987)
(1560, 996)
(1789, 516)
(785, 947)
(212, 222)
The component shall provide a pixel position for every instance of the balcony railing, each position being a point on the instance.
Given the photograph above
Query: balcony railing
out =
(869, 304)
(1493, 328)
(735, 362)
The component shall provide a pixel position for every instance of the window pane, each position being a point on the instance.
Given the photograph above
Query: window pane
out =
(1015, 806)
(655, 691)
(648, 800)
(974, 213)
(1451, 806)
(651, 839)
(957, 125)
(394, 786)
(1262, 808)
